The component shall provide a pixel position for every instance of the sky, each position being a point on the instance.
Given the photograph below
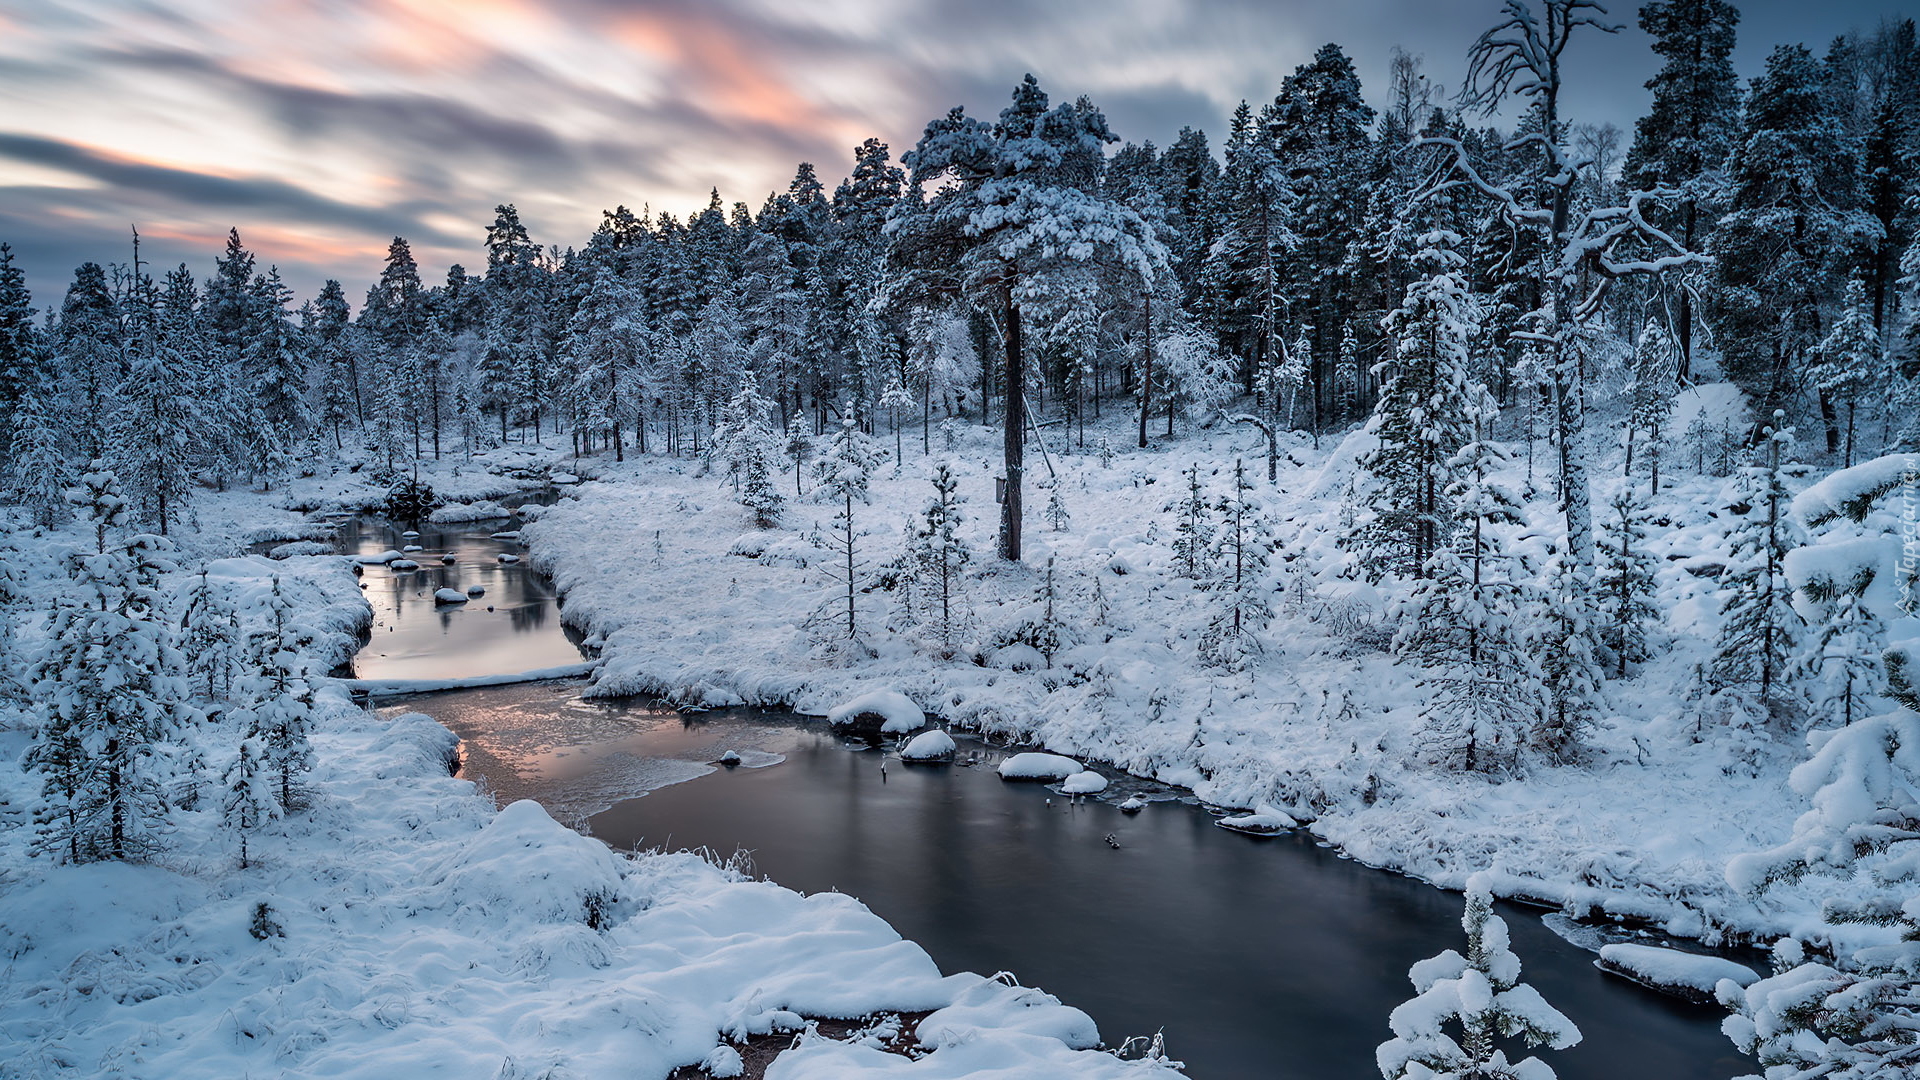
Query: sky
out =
(324, 128)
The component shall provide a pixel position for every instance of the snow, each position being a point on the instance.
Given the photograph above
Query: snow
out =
(507, 558)
(935, 745)
(1038, 766)
(403, 564)
(1688, 975)
(393, 687)
(1084, 783)
(476, 590)
(301, 547)
(1850, 492)
(1263, 821)
(459, 513)
(897, 712)
(449, 596)
(386, 556)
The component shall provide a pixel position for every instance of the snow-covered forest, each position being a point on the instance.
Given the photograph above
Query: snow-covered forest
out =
(1513, 501)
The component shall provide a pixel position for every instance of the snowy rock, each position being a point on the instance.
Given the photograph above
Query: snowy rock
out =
(1670, 971)
(723, 1063)
(750, 545)
(1264, 821)
(1133, 805)
(730, 758)
(410, 534)
(1084, 783)
(530, 512)
(447, 558)
(386, 556)
(411, 547)
(403, 564)
(484, 510)
(883, 712)
(506, 558)
(449, 596)
(509, 534)
(1036, 766)
(526, 865)
(476, 590)
(564, 478)
(935, 745)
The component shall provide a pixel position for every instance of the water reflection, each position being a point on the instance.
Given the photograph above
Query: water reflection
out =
(512, 627)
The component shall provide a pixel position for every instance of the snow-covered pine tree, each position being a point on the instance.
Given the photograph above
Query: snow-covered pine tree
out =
(278, 358)
(40, 476)
(1479, 996)
(247, 801)
(894, 399)
(1849, 360)
(279, 712)
(940, 558)
(108, 693)
(155, 425)
(1041, 625)
(1626, 586)
(1056, 512)
(843, 474)
(388, 420)
(1562, 640)
(11, 583)
(1423, 416)
(210, 639)
(1853, 1018)
(1759, 628)
(1242, 600)
(1461, 626)
(1842, 670)
(747, 444)
(1650, 400)
(1193, 532)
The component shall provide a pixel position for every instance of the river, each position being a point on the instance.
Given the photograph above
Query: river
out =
(1258, 957)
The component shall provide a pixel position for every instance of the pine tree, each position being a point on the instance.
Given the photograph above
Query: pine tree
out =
(1485, 691)
(1422, 417)
(154, 431)
(939, 558)
(749, 446)
(1056, 513)
(248, 801)
(210, 638)
(279, 713)
(1479, 996)
(107, 693)
(39, 474)
(1243, 597)
(1193, 533)
(1759, 626)
(844, 473)
(1562, 643)
(1650, 400)
(21, 357)
(1626, 586)
(1842, 669)
(1849, 360)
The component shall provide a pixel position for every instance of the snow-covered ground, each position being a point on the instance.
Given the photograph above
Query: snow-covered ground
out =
(398, 924)
(661, 567)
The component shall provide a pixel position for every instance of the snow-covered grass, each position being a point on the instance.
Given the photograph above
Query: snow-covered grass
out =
(1320, 726)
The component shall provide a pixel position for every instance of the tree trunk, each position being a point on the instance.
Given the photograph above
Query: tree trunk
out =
(1015, 425)
(1146, 373)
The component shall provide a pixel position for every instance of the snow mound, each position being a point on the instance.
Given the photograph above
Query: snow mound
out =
(1264, 821)
(1018, 656)
(449, 596)
(484, 510)
(750, 545)
(476, 590)
(1133, 805)
(403, 564)
(1670, 971)
(386, 556)
(1037, 766)
(410, 548)
(564, 478)
(506, 558)
(935, 745)
(530, 512)
(1084, 783)
(301, 547)
(524, 864)
(894, 711)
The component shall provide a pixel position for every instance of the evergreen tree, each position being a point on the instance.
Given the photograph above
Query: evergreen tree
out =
(107, 691)
(1422, 417)
(748, 445)
(21, 359)
(89, 358)
(279, 713)
(39, 474)
(1243, 597)
(1461, 625)
(1849, 360)
(1193, 533)
(1562, 641)
(1759, 627)
(248, 801)
(1843, 670)
(278, 359)
(155, 427)
(1650, 400)
(1626, 585)
(939, 558)
(844, 473)
(1684, 139)
(210, 639)
(1479, 996)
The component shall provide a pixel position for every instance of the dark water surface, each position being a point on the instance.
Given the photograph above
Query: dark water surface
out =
(1259, 957)
(514, 627)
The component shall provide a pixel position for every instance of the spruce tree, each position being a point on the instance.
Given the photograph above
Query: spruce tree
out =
(1843, 670)
(1193, 532)
(1562, 641)
(39, 475)
(1625, 592)
(939, 558)
(1650, 397)
(21, 358)
(210, 638)
(279, 713)
(1849, 360)
(1759, 627)
(1422, 417)
(1466, 1005)
(1242, 600)
(844, 473)
(108, 693)
(248, 800)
